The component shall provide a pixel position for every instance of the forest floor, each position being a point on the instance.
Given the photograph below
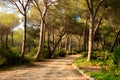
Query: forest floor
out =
(51, 69)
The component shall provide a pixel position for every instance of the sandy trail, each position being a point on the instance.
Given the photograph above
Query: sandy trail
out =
(51, 69)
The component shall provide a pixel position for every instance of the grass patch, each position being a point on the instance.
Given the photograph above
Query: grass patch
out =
(104, 75)
(98, 68)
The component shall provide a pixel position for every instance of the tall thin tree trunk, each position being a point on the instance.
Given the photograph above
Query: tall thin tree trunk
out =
(90, 42)
(12, 39)
(60, 45)
(111, 49)
(57, 43)
(40, 41)
(70, 45)
(6, 41)
(24, 37)
(2, 41)
(85, 35)
(53, 38)
(48, 38)
(79, 45)
(93, 13)
(66, 43)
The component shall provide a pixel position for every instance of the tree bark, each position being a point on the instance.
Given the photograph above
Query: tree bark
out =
(57, 43)
(49, 48)
(24, 37)
(85, 35)
(40, 40)
(6, 41)
(112, 47)
(53, 38)
(12, 39)
(66, 43)
(93, 12)
(70, 45)
(90, 42)
(1, 40)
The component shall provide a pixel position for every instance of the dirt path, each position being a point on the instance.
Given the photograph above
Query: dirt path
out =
(54, 69)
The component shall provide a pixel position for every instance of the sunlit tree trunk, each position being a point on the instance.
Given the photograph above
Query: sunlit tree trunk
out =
(93, 12)
(40, 40)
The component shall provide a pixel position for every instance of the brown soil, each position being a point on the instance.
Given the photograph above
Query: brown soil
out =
(51, 69)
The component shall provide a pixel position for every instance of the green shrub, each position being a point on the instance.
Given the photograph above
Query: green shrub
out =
(74, 52)
(2, 60)
(116, 56)
(60, 53)
(114, 60)
(46, 53)
(10, 58)
(43, 55)
(105, 76)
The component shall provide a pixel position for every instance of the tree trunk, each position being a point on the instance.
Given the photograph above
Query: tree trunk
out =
(112, 47)
(70, 45)
(53, 38)
(40, 40)
(85, 35)
(60, 45)
(6, 42)
(49, 48)
(1, 40)
(57, 43)
(12, 39)
(66, 43)
(79, 45)
(24, 37)
(90, 42)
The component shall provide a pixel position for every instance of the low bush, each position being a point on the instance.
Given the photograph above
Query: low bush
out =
(46, 53)
(108, 71)
(102, 75)
(10, 58)
(60, 53)
(116, 56)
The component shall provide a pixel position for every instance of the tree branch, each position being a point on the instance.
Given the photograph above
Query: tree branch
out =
(13, 2)
(98, 5)
(89, 4)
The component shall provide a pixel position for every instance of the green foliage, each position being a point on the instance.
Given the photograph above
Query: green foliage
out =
(82, 61)
(103, 55)
(114, 4)
(43, 55)
(102, 75)
(59, 53)
(8, 57)
(110, 72)
(116, 54)
(9, 20)
(115, 58)
(46, 53)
